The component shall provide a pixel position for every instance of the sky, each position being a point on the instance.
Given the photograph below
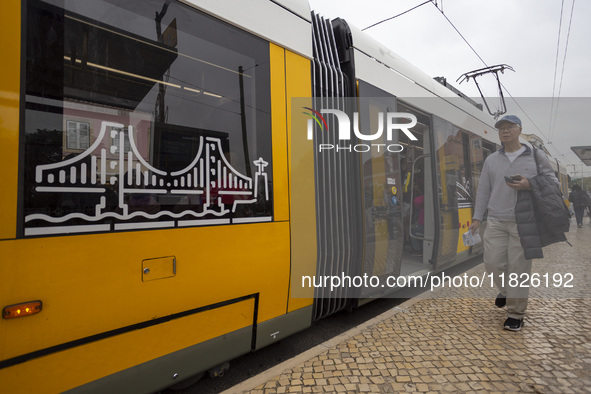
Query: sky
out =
(523, 34)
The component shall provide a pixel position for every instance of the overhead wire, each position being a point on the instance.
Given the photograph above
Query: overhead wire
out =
(434, 2)
(553, 126)
(555, 70)
(484, 62)
(503, 86)
(461, 35)
(396, 16)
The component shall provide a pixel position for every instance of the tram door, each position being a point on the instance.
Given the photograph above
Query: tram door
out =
(418, 196)
(454, 190)
(383, 232)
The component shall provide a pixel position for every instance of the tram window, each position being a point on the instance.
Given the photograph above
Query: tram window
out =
(465, 181)
(133, 118)
(456, 155)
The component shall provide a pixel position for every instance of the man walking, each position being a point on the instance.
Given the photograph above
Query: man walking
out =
(509, 247)
(580, 201)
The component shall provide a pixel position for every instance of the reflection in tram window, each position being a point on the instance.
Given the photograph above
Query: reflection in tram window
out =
(382, 231)
(147, 113)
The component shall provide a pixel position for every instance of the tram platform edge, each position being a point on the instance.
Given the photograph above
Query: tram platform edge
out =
(269, 374)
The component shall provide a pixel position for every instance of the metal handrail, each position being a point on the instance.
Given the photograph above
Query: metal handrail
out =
(412, 184)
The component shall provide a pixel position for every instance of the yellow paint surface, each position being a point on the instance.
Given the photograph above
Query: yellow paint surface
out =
(302, 189)
(67, 369)
(279, 133)
(10, 31)
(465, 217)
(93, 283)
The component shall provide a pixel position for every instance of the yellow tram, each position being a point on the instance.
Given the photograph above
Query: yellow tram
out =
(160, 200)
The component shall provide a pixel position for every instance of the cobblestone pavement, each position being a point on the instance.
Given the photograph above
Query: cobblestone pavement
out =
(457, 343)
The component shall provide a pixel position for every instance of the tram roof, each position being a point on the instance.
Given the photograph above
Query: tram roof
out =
(381, 66)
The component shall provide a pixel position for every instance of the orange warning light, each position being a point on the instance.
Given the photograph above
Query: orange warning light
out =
(21, 310)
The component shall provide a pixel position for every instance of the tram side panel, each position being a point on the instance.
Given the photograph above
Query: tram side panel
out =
(156, 248)
(302, 187)
(9, 107)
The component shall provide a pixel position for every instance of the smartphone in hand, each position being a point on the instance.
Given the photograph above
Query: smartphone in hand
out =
(512, 179)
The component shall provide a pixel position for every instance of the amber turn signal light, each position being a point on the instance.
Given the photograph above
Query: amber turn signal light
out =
(21, 310)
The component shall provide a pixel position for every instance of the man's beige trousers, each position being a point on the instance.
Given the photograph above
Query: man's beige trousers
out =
(503, 257)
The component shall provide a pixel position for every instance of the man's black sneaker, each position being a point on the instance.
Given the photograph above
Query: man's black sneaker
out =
(500, 301)
(513, 324)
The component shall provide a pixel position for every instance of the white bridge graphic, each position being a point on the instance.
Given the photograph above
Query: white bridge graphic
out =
(210, 180)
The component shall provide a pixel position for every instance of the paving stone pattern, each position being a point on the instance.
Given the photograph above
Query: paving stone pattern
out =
(458, 343)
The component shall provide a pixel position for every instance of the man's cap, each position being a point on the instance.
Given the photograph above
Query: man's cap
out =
(508, 118)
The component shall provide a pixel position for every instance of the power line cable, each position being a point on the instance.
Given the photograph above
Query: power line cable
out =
(461, 35)
(555, 70)
(396, 16)
(434, 2)
(503, 86)
(553, 129)
(482, 60)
